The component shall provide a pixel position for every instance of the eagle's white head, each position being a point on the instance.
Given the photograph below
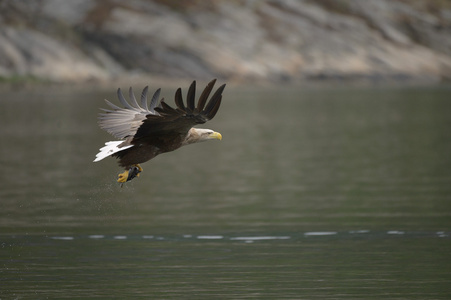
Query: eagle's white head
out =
(196, 135)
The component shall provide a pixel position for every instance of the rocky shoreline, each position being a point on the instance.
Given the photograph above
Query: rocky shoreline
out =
(285, 41)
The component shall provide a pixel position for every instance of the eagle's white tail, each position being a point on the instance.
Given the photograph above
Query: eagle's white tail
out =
(110, 148)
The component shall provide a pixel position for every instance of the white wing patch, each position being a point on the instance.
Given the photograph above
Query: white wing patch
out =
(109, 149)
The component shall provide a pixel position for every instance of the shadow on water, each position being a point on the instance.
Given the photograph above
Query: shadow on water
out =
(325, 192)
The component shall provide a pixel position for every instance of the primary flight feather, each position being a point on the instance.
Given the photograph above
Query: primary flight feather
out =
(146, 131)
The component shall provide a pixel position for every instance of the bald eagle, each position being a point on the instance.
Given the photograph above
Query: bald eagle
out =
(146, 131)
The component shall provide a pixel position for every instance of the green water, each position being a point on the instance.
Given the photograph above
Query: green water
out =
(313, 193)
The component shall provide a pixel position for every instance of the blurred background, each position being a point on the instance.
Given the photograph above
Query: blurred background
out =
(243, 40)
(332, 181)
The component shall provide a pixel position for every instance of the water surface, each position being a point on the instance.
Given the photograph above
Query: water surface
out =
(313, 193)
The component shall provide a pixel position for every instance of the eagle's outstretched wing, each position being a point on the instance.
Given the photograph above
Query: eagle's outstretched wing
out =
(124, 122)
(170, 120)
(141, 121)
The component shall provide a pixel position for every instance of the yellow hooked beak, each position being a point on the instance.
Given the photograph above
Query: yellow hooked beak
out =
(216, 135)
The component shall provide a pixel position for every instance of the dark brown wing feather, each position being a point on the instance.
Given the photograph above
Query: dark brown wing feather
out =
(213, 106)
(190, 97)
(204, 96)
(179, 120)
(179, 99)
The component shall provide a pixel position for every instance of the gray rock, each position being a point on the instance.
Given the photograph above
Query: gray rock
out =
(25, 52)
(265, 40)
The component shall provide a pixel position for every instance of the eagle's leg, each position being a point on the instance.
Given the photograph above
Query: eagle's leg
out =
(130, 174)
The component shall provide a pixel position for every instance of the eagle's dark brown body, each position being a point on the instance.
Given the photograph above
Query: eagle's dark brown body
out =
(147, 148)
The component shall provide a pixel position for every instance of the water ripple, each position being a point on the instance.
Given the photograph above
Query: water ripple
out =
(254, 238)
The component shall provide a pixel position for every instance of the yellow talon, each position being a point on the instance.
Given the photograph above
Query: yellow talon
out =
(122, 177)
